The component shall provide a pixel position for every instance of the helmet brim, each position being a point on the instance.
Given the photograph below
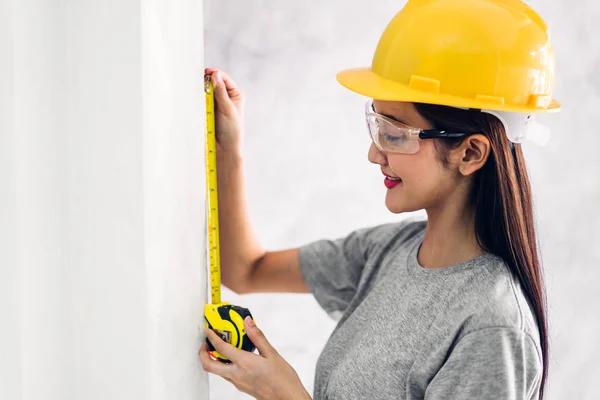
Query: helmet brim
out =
(367, 83)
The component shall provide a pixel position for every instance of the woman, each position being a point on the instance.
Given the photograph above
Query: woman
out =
(448, 308)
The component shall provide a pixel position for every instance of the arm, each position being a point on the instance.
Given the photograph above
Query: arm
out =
(245, 265)
(490, 363)
(330, 268)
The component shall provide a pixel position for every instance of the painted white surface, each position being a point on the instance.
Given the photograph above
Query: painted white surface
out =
(102, 278)
(308, 174)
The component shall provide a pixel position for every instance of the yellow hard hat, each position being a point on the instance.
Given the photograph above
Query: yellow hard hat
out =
(482, 54)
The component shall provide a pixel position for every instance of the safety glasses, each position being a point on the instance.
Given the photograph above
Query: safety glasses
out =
(391, 136)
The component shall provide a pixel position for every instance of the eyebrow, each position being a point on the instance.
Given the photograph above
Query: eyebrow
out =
(393, 117)
(400, 120)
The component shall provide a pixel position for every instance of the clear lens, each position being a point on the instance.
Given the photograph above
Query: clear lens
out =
(391, 136)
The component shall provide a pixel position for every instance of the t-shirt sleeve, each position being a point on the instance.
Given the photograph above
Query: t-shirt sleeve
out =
(490, 363)
(332, 268)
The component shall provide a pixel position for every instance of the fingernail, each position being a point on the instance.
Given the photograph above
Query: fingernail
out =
(218, 76)
(250, 322)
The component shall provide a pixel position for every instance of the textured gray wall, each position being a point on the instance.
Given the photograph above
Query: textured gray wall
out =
(308, 176)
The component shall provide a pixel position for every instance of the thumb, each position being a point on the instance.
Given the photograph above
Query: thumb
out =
(221, 94)
(258, 338)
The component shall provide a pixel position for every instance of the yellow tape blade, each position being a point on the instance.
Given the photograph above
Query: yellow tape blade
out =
(212, 203)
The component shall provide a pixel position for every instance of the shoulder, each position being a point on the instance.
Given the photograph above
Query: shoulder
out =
(491, 297)
(392, 234)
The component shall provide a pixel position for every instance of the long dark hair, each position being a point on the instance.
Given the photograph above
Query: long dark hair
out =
(501, 197)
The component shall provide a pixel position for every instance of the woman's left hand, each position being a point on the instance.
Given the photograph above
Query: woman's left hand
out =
(264, 376)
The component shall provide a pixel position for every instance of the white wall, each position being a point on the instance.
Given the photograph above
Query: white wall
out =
(102, 278)
(308, 174)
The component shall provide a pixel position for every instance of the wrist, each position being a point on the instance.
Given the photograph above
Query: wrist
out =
(230, 157)
(300, 394)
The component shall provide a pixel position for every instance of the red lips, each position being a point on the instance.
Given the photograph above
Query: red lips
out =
(390, 181)
(390, 176)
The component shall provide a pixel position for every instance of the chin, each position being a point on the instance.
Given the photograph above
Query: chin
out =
(396, 210)
(396, 205)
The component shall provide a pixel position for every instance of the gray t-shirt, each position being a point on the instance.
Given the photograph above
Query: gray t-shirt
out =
(405, 332)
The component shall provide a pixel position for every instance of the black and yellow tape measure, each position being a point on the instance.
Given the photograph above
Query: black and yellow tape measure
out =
(225, 319)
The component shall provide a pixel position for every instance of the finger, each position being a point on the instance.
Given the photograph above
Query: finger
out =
(232, 89)
(221, 95)
(214, 366)
(230, 352)
(258, 338)
(209, 71)
(229, 82)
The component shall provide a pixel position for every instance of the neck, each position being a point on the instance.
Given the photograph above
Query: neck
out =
(450, 237)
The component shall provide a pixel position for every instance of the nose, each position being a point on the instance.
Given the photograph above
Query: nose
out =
(376, 156)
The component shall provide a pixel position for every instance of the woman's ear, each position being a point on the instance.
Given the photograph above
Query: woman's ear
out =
(472, 154)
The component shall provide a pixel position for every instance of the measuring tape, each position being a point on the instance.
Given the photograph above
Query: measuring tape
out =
(225, 319)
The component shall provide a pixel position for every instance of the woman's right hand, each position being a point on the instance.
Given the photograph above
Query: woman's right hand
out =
(229, 109)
